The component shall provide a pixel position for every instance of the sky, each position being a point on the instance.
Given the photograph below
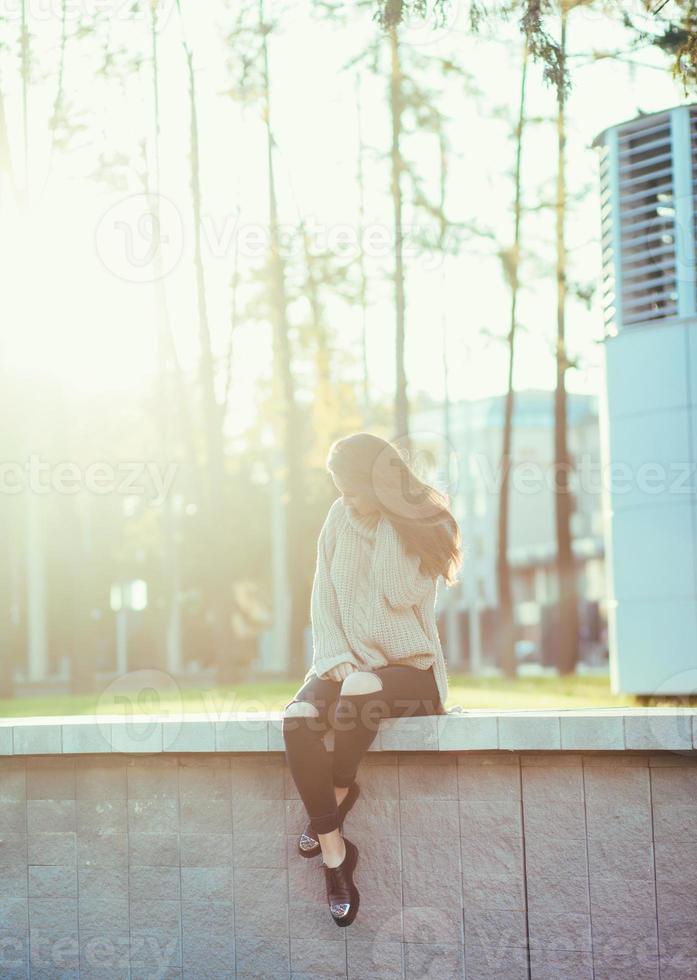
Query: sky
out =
(80, 304)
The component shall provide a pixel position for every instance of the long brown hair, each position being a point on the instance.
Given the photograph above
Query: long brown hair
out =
(420, 513)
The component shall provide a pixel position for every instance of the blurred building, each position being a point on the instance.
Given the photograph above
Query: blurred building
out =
(475, 438)
(649, 411)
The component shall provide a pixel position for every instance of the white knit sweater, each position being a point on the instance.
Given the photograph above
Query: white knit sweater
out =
(371, 605)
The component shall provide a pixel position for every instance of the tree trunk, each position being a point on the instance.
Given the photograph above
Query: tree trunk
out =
(401, 404)
(323, 409)
(166, 344)
(59, 97)
(362, 274)
(8, 625)
(167, 358)
(284, 390)
(566, 573)
(25, 68)
(506, 631)
(218, 590)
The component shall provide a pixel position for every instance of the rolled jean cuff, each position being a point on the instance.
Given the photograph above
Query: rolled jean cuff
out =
(326, 823)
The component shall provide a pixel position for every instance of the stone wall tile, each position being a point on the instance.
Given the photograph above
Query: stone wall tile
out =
(204, 782)
(552, 857)
(13, 817)
(487, 780)
(103, 901)
(622, 932)
(561, 819)
(370, 816)
(145, 782)
(203, 850)
(103, 956)
(620, 859)
(529, 731)
(559, 930)
(493, 891)
(560, 965)
(472, 732)
(495, 963)
(156, 850)
(260, 849)
(153, 816)
(136, 736)
(440, 817)
(58, 848)
(102, 850)
(649, 730)
(592, 732)
(261, 902)
(13, 852)
(675, 785)
(374, 959)
(208, 940)
(13, 785)
(487, 818)
(675, 822)
(324, 958)
(258, 959)
(551, 784)
(501, 856)
(491, 927)
(51, 815)
(205, 816)
(619, 966)
(252, 815)
(37, 739)
(158, 883)
(551, 893)
(99, 781)
(101, 816)
(428, 782)
(379, 782)
(617, 786)
(682, 966)
(257, 778)
(451, 849)
(427, 924)
(433, 961)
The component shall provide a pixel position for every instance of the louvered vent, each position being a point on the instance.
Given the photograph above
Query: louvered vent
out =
(609, 286)
(693, 171)
(647, 222)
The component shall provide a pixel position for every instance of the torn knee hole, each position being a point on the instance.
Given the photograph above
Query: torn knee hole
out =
(300, 709)
(361, 682)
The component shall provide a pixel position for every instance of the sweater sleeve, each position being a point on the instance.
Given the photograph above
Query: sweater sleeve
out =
(330, 646)
(403, 582)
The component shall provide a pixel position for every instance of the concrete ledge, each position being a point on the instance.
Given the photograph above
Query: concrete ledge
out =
(604, 730)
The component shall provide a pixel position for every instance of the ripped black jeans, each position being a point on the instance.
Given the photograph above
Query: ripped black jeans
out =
(355, 718)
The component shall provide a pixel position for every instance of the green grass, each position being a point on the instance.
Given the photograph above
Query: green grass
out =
(470, 692)
(535, 692)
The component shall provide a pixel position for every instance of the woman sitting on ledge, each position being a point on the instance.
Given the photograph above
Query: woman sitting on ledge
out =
(377, 652)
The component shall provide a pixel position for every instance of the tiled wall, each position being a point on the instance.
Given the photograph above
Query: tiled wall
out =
(492, 865)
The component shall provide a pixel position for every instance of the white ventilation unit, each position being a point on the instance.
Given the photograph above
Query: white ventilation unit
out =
(648, 175)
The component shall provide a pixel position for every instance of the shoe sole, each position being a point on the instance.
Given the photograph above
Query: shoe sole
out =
(355, 901)
(316, 851)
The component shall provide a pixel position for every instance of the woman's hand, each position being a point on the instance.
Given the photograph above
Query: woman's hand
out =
(341, 671)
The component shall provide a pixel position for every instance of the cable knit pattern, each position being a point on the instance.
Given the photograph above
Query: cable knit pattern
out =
(371, 605)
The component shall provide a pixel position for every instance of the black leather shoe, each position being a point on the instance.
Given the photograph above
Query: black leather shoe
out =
(342, 894)
(308, 845)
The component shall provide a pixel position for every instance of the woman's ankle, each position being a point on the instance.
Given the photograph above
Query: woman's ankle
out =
(333, 848)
